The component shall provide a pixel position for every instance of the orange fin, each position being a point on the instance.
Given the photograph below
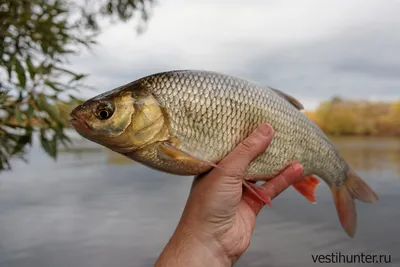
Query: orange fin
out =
(307, 187)
(343, 197)
(258, 191)
(169, 151)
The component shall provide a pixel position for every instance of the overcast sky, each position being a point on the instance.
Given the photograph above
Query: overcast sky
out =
(310, 49)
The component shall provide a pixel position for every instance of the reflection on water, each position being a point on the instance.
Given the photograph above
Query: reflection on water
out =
(371, 154)
(94, 207)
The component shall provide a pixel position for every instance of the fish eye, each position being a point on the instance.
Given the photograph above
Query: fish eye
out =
(105, 111)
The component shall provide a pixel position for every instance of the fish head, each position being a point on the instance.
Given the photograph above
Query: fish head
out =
(124, 119)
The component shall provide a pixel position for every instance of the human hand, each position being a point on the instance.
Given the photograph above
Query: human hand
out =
(219, 216)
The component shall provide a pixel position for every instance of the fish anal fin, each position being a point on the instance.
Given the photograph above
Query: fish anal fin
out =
(307, 186)
(343, 196)
(289, 98)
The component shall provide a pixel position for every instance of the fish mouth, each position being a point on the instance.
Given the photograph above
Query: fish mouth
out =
(78, 123)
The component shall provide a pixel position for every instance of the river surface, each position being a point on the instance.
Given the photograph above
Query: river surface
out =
(93, 208)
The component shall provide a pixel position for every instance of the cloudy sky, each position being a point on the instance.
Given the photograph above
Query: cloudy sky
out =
(310, 49)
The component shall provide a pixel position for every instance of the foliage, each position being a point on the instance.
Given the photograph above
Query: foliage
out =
(340, 117)
(36, 38)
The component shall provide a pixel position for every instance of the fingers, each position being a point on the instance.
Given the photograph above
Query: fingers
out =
(275, 186)
(281, 182)
(235, 163)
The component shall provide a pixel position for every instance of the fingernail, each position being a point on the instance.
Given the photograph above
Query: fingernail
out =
(265, 129)
(297, 167)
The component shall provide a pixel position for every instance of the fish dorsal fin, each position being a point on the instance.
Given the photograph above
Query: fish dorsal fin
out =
(289, 98)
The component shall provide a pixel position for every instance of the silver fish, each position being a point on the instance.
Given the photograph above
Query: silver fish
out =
(185, 121)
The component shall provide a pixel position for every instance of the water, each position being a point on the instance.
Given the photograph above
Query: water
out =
(94, 208)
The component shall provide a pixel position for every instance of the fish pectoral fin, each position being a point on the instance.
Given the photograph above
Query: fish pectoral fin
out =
(296, 103)
(169, 151)
(307, 186)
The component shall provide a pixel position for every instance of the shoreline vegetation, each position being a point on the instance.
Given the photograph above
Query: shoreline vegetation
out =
(336, 117)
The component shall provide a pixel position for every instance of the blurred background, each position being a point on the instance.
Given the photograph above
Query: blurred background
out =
(65, 201)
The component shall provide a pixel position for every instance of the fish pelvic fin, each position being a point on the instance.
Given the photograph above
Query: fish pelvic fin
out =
(344, 195)
(259, 192)
(307, 186)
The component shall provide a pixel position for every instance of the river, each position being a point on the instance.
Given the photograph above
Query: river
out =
(93, 208)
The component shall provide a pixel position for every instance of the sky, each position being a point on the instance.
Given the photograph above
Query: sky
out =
(312, 49)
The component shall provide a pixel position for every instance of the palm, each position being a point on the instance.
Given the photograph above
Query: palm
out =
(231, 209)
(240, 227)
(220, 212)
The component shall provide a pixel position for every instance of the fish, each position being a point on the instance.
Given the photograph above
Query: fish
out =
(184, 122)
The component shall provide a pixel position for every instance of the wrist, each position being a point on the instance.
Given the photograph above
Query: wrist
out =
(195, 248)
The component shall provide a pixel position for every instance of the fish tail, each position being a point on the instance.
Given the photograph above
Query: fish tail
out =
(353, 188)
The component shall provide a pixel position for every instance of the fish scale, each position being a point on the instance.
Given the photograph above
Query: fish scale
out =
(258, 105)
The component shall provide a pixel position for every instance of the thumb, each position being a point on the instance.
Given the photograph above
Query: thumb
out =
(233, 167)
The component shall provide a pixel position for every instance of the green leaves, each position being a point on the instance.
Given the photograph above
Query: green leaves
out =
(36, 37)
(31, 69)
(42, 104)
(49, 144)
(12, 145)
(20, 73)
(30, 112)
(18, 115)
(52, 86)
(3, 97)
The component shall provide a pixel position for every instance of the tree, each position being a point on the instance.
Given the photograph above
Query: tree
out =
(344, 117)
(322, 115)
(395, 116)
(36, 38)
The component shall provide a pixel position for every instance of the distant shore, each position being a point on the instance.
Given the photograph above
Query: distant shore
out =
(339, 117)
